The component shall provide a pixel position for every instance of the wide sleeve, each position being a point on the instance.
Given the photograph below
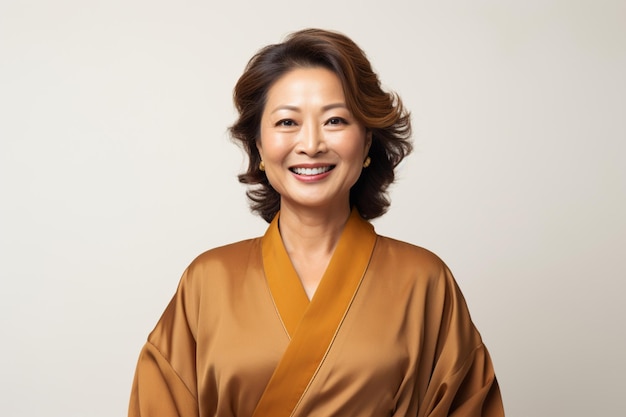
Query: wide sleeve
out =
(165, 378)
(463, 381)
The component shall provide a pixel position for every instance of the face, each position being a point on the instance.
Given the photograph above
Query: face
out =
(312, 146)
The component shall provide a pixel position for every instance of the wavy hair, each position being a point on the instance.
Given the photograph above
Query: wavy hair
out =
(380, 112)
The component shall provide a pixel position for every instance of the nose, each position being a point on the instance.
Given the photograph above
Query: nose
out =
(311, 140)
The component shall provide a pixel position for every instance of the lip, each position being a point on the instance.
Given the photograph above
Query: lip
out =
(312, 178)
(313, 165)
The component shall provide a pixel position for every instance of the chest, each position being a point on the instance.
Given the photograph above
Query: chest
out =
(370, 357)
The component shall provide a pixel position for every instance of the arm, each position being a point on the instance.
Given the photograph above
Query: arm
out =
(165, 378)
(158, 390)
(463, 382)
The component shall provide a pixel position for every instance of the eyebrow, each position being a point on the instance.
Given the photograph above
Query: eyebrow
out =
(297, 109)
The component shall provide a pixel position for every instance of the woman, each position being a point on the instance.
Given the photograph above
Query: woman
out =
(320, 316)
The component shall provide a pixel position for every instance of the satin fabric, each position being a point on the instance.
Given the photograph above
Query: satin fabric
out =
(311, 326)
(406, 345)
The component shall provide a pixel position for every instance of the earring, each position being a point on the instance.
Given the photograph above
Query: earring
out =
(262, 166)
(367, 162)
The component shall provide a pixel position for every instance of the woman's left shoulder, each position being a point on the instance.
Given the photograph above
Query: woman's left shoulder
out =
(408, 252)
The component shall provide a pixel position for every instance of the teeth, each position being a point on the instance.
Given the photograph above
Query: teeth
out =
(311, 171)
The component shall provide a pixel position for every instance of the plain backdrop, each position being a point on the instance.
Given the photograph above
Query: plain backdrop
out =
(116, 170)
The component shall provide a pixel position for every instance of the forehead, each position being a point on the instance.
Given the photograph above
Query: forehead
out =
(306, 83)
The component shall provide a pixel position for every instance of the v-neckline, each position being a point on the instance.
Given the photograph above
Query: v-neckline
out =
(285, 285)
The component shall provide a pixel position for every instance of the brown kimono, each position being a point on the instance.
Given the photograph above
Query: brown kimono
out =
(387, 333)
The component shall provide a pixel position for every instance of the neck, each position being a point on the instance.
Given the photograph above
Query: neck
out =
(312, 231)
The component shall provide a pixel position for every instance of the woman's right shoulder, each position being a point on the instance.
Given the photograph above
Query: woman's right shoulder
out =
(214, 277)
(222, 266)
(230, 256)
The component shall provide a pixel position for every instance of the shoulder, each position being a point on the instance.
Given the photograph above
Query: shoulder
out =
(412, 266)
(404, 253)
(219, 270)
(422, 272)
(223, 263)
(233, 253)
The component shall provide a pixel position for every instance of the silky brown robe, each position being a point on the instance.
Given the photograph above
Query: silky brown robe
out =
(403, 344)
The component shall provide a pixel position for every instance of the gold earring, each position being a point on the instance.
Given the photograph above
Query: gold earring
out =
(367, 162)
(262, 166)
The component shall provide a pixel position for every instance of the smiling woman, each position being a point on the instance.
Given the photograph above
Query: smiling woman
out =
(311, 145)
(320, 316)
(381, 113)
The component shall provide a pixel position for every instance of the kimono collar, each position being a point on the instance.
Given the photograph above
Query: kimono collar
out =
(344, 271)
(311, 326)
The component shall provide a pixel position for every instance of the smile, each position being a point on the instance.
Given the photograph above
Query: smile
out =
(311, 171)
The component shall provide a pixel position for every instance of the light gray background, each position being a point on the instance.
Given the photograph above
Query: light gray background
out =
(116, 171)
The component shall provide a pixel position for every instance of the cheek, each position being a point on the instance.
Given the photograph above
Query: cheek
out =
(265, 148)
(269, 152)
(356, 148)
(271, 145)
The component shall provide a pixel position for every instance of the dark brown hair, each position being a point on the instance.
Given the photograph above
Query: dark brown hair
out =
(380, 112)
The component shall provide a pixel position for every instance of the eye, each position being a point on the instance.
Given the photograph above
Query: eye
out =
(337, 121)
(285, 123)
